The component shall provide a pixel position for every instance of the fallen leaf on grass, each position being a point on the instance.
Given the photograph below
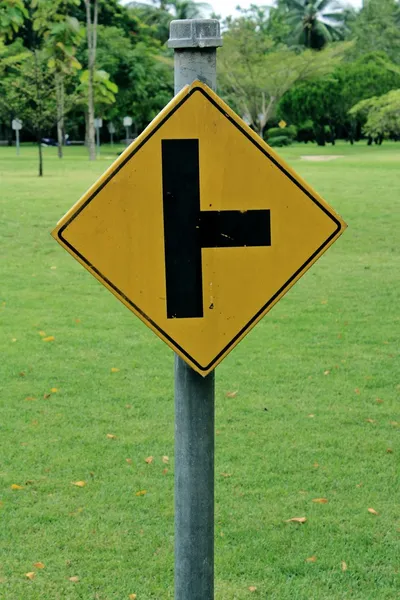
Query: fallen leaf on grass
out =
(30, 575)
(46, 396)
(15, 486)
(394, 423)
(226, 474)
(357, 391)
(252, 588)
(76, 512)
(30, 398)
(312, 559)
(111, 436)
(38, 565)
(373, 511)
(389, 451)
(379, 401)
(149, 460)
(316, 465)
(53, 267)
(344, 566)
(54, 390)
(132, 596)
(14, 339)
(296, 520)
(320, 500)
(370, 420)
(141, 493)
(326, 372)
(129, 461)
(359, 485)
(114, 370)
(74, 579)
(22, 374)
(42, 333)
(49, 338)
(311, 416)
(231, 394)
(79, 483)
(165, 471)
(165, 459)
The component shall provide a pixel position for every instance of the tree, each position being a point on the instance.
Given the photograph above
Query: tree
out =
(91, 31)
(377, 28)
(254, 73)
(103, 89)
(189, 9)
(30, 93)
(327, 100)
(381, 114)
(160, 13)
(314, 22)
(61, 39)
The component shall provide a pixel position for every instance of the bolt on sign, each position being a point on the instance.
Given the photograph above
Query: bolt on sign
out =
(199, 228)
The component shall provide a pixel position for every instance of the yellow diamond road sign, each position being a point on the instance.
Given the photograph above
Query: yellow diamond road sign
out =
(199, 227)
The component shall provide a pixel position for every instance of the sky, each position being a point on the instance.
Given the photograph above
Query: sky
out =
(227, 7)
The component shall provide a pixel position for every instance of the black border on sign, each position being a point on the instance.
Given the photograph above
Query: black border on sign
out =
(271, 158)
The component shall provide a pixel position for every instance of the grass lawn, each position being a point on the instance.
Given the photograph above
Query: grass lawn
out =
(316, 414)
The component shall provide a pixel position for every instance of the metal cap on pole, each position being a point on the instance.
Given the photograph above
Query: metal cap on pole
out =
(195, 42)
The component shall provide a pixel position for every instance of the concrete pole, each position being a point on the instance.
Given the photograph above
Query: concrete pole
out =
(195, 43)
(98, 140)
(17, 140)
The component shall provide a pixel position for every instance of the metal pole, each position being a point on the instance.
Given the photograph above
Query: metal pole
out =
(195, 42)
(98, 140)
(17, 140)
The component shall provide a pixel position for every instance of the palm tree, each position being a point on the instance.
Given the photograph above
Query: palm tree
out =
(315, 22)
(159, 13)
(188, 9)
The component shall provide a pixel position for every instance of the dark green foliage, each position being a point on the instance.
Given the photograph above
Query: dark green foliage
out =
(326, 101)
(279, 141)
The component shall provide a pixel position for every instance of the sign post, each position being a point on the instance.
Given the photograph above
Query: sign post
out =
(98, 123)
(127, 124)
(199, 228)
(17, 125)
(195, 43)
(111, 131)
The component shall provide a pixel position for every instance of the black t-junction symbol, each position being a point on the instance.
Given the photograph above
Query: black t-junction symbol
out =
(187, 229)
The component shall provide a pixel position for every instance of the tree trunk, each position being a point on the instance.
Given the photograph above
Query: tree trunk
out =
(320, 135)
(60, 112)
(92, 42)
(39, 121)
(39, 145)
(86, 129)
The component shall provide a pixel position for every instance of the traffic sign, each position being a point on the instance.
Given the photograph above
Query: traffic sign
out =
(127, 121)
(16, 124)
(199, 227)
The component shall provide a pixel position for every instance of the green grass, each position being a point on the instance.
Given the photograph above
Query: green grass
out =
(318, 362)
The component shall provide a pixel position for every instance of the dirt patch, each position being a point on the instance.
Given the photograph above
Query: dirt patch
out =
(322, 157)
